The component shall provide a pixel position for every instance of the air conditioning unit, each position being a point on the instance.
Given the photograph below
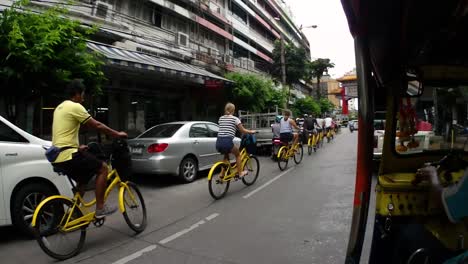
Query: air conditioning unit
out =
(213, 52)
(215, 8)
(101, 9)
(182, 39)
(244, 63)
(228, 59)
(250, 64)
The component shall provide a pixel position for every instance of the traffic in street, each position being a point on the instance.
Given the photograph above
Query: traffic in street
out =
(300, 215)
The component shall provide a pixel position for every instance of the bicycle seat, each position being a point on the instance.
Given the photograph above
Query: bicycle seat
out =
(91, 185)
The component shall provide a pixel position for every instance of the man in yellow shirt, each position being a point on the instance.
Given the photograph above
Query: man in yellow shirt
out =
(73, 159)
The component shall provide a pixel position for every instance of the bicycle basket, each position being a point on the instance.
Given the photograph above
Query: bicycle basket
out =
(249, 142)
(121, 159)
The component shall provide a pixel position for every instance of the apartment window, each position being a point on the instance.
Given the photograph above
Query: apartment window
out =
(173, 24)
(157, 16)
(239, 13)
(147, 13)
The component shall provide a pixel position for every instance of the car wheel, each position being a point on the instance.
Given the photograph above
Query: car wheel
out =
(188, 169)
(25, 202)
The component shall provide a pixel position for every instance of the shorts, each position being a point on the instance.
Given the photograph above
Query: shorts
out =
(286, 137)
(81, 168)
(224, 145)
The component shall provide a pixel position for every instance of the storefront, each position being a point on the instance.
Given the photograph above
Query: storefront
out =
(142, 91)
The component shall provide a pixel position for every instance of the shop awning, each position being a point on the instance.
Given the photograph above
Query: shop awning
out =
(128, 58)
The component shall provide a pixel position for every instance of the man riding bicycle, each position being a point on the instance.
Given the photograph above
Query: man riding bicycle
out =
(72, 158)
(310, 125)
(286, 131)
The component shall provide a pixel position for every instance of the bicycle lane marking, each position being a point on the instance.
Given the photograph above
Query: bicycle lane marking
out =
(267, 183)
(135, 255)
(166, 240)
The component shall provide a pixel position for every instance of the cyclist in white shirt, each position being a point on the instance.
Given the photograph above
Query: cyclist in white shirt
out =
(328, 123)
(286, 130)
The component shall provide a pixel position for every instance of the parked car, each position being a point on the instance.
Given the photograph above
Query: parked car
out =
(26, 177)
(178, 148)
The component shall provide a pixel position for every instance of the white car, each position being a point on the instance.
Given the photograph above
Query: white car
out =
(26, 177)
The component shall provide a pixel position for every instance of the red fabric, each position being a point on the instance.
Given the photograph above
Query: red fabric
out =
(424, 126)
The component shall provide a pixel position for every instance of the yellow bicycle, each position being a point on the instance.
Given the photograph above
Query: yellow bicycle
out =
(286, 152)
(60, 222)
(330, 134)
(223, 172)
(312, 142)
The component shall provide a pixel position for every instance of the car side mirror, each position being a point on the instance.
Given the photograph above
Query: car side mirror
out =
(414, 87)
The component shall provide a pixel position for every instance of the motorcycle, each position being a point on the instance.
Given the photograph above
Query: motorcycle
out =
(276, 145)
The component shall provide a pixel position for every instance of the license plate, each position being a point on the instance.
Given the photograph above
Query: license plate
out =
(137, 150)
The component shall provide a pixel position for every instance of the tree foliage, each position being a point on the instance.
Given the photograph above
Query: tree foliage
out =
(326, 106)
(254, 93)
(40, 52)
(306, 106)
(316, 69)
(295, 61)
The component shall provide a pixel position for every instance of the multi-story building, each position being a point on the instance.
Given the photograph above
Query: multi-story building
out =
(165, 58)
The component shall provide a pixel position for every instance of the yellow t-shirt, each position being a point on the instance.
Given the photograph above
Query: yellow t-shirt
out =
(68, 117)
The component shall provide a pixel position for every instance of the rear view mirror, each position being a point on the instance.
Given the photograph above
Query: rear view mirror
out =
(414, 86)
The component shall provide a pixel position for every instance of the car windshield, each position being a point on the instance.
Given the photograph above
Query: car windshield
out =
(161, 131)
(437, 120)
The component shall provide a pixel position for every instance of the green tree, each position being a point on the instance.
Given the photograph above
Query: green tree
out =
(317, 69)
(326, 106)
(276, 97)
(40, 52)
(295, 61)
(306, 105)
(252, 92)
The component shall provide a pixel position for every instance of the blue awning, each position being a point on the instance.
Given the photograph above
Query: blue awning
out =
(128, 58)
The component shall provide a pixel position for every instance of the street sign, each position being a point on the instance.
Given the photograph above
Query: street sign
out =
(351, 91)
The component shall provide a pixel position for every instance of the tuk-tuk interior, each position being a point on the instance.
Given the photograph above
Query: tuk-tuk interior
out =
(412, 63)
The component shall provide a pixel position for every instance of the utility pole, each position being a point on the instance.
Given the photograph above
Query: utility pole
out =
(283, 71)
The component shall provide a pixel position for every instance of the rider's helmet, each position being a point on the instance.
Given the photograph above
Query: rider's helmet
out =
(278, 118)
(306, 115)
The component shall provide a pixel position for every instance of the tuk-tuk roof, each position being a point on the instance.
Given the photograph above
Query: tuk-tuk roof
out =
(429, 37)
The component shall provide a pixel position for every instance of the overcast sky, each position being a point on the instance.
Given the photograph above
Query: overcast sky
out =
(331, 39)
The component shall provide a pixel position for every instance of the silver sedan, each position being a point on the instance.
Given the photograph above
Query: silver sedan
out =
(177, 148)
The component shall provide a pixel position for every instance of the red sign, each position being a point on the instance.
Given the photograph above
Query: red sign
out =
(214, 84)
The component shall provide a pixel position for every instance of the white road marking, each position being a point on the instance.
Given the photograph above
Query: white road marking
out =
(211, 217)
(182, 232)
(266, 184)
(135, 255)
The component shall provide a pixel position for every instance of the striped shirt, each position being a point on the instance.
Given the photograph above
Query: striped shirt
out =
(228, 126)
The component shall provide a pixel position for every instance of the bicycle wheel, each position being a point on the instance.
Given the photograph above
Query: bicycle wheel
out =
(50, 233)
(217, 187)
(253, 167)
(299, 154)
(310, 148)
(283, 159)
(135, 209)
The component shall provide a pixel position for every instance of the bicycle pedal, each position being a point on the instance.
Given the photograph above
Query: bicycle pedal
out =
(99, 222)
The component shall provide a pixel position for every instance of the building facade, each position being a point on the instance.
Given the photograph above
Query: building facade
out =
(165, 58)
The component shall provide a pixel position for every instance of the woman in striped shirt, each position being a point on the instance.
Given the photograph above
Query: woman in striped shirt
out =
(228, 125)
